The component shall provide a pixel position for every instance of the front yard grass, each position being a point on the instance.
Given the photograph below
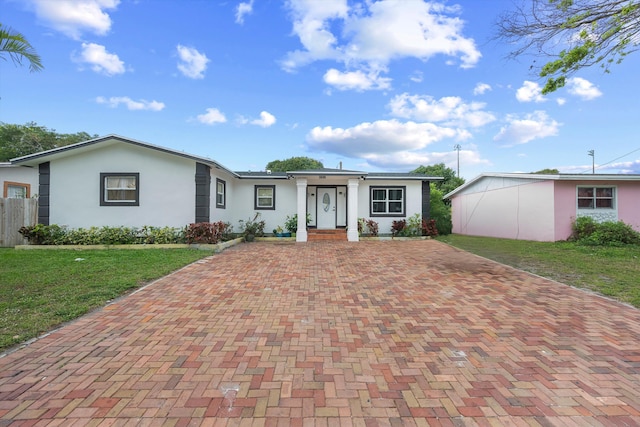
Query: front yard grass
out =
(610, 271)
(42, 289)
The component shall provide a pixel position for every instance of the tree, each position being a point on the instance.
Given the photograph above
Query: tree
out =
(294, 164)
(547, 172)
(587, 32)
(18, 48)
(451, 181)
(439, 211)
(22, 140)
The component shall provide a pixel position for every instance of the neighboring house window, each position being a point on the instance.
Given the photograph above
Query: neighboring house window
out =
(119, 189)
(387, 201)
(16, 190)
(265, 197)
(596, 197)
(221, 193)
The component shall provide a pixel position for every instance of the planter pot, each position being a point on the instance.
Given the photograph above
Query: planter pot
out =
(283, 234)
(249, 238)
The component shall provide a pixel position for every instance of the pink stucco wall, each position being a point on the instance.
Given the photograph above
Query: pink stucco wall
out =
(627, 199)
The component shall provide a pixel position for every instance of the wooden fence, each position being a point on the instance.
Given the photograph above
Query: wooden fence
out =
(16, 213)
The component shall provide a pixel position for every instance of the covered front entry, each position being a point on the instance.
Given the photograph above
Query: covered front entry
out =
(326, 208)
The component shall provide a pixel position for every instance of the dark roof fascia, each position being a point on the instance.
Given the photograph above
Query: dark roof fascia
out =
(327, 172)
(261, 175)
(402, 176)
(44, 154)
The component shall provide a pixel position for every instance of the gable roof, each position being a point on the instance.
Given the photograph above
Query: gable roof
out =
(67, 150)
(540, 177)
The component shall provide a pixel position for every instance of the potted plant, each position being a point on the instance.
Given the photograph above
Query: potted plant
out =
(252, 228)
(279, 232)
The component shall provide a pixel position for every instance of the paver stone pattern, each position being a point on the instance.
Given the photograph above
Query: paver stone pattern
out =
(412, 333)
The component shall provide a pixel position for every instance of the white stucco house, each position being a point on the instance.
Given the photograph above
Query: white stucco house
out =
(118, 181)
(541, 207)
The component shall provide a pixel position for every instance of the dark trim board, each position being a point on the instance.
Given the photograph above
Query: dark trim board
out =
(203, 193)
(44, 180)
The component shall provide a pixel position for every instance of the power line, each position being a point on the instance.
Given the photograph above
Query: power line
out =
(607, 163)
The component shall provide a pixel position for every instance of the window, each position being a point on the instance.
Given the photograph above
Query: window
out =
(16, 190)
(265, 197)
(119, 189)
(221, 193)
(596, 197)
(387, 201)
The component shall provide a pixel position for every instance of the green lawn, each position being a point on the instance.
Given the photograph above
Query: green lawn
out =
(40, 289)
(610, 271)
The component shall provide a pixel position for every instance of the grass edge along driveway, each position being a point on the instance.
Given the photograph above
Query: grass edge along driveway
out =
(40, 290)
(610, 271)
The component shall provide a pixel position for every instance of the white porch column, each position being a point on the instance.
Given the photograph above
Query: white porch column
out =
(301, 233)
(352, 211)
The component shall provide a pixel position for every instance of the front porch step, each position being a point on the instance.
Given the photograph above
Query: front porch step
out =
(315, 235)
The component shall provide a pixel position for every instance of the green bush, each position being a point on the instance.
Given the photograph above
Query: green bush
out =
(439, 211)
(60, 235)
(587, 231)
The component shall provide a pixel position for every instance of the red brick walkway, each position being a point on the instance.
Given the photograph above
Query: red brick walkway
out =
(336, 334)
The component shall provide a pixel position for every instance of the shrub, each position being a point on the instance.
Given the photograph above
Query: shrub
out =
(429, 228)
(367, 226)
(253, 226)
(609, 233)
(582, 228)
(397, 227)
(60, 235)
(413, 226)
(208, 232)
(439, 211)
(291, 223)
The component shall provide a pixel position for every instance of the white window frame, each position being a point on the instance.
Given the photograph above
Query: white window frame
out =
(387, 201)
(258, 198)
(104, 190)
(222, 195)
(594, 198)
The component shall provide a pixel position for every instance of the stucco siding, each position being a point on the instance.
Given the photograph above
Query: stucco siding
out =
(167, 188)
(629, 203)
(522, 211)
(19, 174)
(244, 202)
(413, 201)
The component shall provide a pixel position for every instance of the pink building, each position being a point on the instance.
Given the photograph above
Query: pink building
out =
(541, 207)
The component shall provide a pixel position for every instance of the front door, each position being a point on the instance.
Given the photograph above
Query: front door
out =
(326, 208)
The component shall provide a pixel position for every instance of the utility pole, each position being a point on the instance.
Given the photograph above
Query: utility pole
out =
(592, 153)
(457, 147)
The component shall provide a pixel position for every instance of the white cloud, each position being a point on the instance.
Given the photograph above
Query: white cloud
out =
(561, 101)
(100, 60)
(530, 91)
(481, 89)
(356, 80)
(245, 8)
(371, 34)
(450, 110)
(266, 119)
(582, 88)
(405, 160)
(73, 17)
(522, 130)
(193, 63)
(417, 76)
(211, 117)
(115, 101)
(379, 137)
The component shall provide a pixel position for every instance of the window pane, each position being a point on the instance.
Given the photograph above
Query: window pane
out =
(379, 207)
(379, 194)
(220, 188)
(395, 207)
(16, 192)
(395, 194)
(604, 203)
(219, 199)
(604, 192)
(585, 192)
(121, 182)
(585, 203)
(265, 202)
(265, 192)
(121, 195)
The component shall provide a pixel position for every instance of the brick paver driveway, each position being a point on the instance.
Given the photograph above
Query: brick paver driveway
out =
(336, 334)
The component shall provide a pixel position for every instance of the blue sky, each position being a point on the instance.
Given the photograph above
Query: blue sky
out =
(377, 85)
